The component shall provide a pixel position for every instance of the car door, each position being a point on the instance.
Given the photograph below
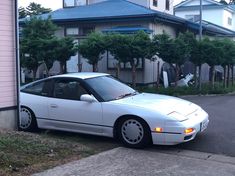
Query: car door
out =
(67, 112)
(35, 97)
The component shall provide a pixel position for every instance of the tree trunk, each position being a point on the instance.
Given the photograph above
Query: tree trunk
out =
(158, 73)
(232, 75)
(213, 76)
(65, 67)
(34, 73)
(47, 69)
(210, 74)
(133, 75)
(228, 77)
(118, 66)
(199, 77)
(195, 77)
(61, 68)
(80, 67)
(176, 74)
(225, 71)
(95, 67)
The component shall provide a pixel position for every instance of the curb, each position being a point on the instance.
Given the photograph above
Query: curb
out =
(199, 155)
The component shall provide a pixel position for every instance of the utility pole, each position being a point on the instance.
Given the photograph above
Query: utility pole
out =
(200, 38)
(200, 28)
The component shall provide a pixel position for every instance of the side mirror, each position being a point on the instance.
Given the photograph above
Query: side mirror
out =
(87, 98)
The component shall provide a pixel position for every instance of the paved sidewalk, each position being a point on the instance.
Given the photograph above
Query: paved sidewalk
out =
(152, 162)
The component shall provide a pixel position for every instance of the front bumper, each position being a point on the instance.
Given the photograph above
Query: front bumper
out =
(173, 132)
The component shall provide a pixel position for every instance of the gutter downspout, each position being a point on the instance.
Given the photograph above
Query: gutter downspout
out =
(17, 65)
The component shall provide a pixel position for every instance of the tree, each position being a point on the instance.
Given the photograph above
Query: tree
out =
(92, 49)
(164, 44)
(223, 2)
(182, 47)
(36, 9)
(213, 54)
(118, 46)
(130, 49)
(228, 59)
(64, 49)
(232, 2)
(139, 50)
(32, 10)
(189, 49)
(198, 59)
(22, 12)
(36, 34)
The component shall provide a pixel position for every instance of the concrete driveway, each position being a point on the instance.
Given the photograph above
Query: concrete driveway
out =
(128, 162)
(219, 138)
(172, 160)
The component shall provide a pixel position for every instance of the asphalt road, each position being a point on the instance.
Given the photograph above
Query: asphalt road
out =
(219, 137)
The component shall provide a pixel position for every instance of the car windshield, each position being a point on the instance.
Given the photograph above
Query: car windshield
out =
(109, 88)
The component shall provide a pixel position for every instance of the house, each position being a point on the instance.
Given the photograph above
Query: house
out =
(8, 65)
(78, 18)
(212, 12)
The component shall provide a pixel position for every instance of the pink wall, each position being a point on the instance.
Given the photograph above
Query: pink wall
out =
(7, 54)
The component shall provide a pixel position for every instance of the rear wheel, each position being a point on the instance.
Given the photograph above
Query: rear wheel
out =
(134, 132)
(27, 119)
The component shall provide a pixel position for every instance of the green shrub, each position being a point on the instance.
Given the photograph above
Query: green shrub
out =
(179, 91)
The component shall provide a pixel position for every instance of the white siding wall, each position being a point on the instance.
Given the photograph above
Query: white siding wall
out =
(227, 14)
(213, 16)
(147, 3)
(94, 1)
(162, 6)
(141, 2)
(197, 2)
(7, 55)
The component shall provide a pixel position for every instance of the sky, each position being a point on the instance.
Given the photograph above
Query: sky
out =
(56, 4)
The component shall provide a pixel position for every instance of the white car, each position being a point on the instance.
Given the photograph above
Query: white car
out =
(98, 104)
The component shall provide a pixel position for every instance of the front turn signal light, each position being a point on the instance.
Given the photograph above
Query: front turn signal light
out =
(188, 130)
(158, 129)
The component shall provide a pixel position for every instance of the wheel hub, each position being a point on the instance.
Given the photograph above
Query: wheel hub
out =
(132, 131)
(25, 118)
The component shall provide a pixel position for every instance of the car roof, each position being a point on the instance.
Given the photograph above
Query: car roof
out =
(81, 75)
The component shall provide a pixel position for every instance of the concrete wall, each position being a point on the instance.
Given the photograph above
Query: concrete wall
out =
(8, 119)
(8, 97)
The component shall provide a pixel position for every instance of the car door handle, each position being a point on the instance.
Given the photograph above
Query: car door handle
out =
(54, 106)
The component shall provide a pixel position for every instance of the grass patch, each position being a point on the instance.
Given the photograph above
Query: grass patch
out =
(27, 153)
(179, 91)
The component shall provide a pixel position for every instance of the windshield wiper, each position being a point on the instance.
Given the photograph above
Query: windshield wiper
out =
(126, 95)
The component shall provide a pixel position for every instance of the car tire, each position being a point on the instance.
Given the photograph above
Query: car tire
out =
(27, 121)
(134, 132)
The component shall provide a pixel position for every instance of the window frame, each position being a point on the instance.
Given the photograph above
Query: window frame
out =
(49, 93)
(167, 5)
(81, 83)
(230, 21)
(74, 4)
(72, 28)
(155, 3)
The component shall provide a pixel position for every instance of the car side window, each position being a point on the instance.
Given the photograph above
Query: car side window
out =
(68, 89)
(39, 88)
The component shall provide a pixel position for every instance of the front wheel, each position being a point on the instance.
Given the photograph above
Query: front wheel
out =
(27, 121)
(134, 132)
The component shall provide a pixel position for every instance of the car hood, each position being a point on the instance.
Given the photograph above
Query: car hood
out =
(161, 103)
